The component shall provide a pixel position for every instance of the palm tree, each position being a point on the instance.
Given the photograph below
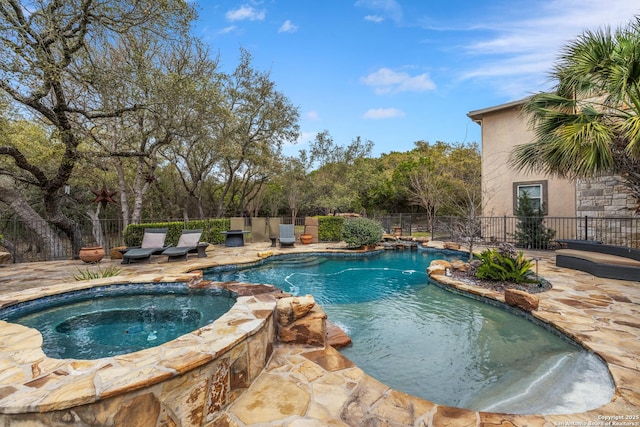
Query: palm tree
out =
(590, 125)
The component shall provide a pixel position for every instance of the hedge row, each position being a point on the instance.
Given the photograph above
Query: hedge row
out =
(211, 230)
(330, 229)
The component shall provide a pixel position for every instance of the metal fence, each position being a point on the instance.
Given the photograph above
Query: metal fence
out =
(42, 243)
(620, 231)
(26, 244)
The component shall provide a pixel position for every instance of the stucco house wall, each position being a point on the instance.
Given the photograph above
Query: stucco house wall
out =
(503, 127)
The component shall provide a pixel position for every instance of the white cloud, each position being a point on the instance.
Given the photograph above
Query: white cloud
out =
(388, 8)
(386, 80)
(288, 27)
(383, 113)
(228, 29)
(245, 13)
(374, 18)
(526, 49)
(313, 115)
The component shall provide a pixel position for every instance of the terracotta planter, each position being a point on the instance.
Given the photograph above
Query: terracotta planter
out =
(305, 239)
(91, 254)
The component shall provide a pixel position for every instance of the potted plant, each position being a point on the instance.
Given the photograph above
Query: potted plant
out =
(91, 254)
(306, 238)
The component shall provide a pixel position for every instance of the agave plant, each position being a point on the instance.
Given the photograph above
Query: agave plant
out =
(502, 266)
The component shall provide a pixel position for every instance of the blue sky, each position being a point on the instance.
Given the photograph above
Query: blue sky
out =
(395, 72)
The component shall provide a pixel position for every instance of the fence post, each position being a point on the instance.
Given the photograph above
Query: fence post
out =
(504, 229)
(586, 223)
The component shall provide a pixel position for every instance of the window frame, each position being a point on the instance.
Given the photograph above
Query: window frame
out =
(544, 202)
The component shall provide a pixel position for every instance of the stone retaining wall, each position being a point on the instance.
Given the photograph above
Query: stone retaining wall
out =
(185, 382)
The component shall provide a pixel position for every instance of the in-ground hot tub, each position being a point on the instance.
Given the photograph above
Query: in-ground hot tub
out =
(118, 319)
(188, 378)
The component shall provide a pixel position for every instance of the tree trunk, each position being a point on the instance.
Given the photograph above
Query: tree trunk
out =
(96, 229)
(122, 183)
(53, 246)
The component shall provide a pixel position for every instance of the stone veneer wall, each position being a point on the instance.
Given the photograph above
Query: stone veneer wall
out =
(188, 393)
(605, 197)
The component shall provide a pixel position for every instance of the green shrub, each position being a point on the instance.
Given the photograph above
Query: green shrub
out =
(531, 233)
(330, 228)
(212, 234)
(504, 266)
(357, 232)
(210, 230)
(134, 232)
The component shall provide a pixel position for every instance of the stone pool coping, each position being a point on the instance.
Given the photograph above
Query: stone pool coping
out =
(602, 314)
(32, 382)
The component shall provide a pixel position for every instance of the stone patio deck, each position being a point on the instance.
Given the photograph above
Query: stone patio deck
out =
(319, 387)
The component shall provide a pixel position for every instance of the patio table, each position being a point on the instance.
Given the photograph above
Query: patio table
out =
(234, 238)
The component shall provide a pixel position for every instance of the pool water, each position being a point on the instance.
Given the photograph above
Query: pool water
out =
(426, 341)
(109, 321)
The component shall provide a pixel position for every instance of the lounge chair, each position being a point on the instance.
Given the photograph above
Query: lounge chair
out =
(189, 242)
(152, 244)
(287, 235)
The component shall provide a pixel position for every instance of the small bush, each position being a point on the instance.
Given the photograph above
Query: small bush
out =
(357, 232)
(504, 266)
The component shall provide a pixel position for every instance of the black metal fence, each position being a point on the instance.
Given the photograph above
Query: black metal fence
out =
(620, 231)
(42, 244)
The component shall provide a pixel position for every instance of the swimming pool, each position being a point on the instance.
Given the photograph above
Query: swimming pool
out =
(426, 341)
(118, 319)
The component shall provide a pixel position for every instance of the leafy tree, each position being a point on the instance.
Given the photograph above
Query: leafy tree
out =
(590, 124)
(171, 83)
(259, 119)
(49, 52)
(531, 233)
(334, 180)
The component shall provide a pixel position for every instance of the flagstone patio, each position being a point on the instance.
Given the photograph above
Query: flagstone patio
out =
(302, 386)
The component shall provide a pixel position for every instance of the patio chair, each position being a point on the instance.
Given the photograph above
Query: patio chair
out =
(152, 244)
(287, 235)
(189, 241)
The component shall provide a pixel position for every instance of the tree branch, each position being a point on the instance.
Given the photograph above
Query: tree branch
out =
(23, 163)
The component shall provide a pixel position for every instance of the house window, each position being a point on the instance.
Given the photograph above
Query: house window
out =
(536, 191)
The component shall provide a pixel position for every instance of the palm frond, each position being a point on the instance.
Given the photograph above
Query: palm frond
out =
(631, 131)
